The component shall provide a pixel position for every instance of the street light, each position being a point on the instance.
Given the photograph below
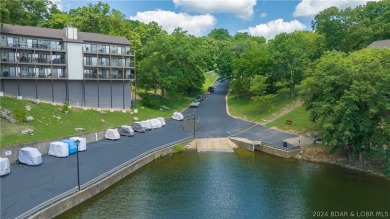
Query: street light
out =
(194, 124)
(78, 167)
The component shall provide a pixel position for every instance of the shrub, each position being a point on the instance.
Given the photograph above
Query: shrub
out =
(20, 115)
(178, 148)
(149, 100)
(65, 108)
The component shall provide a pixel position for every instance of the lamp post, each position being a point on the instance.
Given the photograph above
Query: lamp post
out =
(78, 167)
(194, 124)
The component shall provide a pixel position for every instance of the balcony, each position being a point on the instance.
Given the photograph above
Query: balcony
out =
(36, 46)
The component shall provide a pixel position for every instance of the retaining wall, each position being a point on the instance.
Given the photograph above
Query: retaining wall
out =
(263, 147)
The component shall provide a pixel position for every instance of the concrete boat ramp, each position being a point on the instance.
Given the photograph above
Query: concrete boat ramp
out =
(214, 145)
(230, 143)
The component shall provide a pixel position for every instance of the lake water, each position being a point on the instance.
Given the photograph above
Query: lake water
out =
(242, 184)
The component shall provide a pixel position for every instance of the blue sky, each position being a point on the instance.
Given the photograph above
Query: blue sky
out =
(257, 17)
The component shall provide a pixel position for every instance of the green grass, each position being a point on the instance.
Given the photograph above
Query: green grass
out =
(245, 109)
(46, 127)
(301, 122)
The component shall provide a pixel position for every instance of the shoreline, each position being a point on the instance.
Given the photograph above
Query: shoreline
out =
(339, 161)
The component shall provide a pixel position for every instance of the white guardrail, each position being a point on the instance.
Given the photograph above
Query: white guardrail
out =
(95, 180)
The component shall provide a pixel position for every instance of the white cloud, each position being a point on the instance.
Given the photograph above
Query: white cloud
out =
(273, 28)
(59, 4)
(263, 14)
(196, 25)
(240, 8)
(309, 8)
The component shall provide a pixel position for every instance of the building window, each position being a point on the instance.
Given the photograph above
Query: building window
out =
(45, 73)
(33, 72)
(13, 57)
(32, 57)
(120, 50)
(105, 61)
(55, 45)
(90, 61)
(32, 43)
(90, 48)
(14, 71)
(43, 58)
(57, 59)
(121, 62)
(58, 73)
(89, 73)
(12, 41)
(104, 73)
(104, 49)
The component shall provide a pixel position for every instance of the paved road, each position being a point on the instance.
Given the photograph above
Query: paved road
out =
(29, 186)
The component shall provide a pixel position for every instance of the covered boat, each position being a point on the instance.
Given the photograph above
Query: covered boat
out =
(126, 130)
(153, 123)
(147, 124)
(139, 127)
(162, 120)
(177, 116)
(158, 122)
(58, 149)
(112, 134)
(72, 147)
(82, 143)
(5, 166)
(30, 156)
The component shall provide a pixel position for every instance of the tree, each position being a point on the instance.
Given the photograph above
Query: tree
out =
(94, 18)
(349, 95)
(353, 29)
(289, 53)
(219, 34)
(26, 12)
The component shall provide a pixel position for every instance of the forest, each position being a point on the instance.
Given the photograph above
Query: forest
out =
(346, 87)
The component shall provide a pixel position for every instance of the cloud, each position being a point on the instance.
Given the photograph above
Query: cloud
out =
(309, 8)
(196, 25)
(59, 4)
(240, 8)
(263, 14)
(273, 28)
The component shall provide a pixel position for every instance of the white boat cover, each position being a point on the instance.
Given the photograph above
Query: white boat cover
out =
(5, 166)
(82, 144)
(147, 124)
(177, 116)
(126, 130)
(162, 120)
(158, 122)
(154, 124)
(30, 156)
(58, 149)
(139, 127)
(112, 134)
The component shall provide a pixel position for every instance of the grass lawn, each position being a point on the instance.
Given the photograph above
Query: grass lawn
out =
(301, 122)
(45, 126)
(245, 109)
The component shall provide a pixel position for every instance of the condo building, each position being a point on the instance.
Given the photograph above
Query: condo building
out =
(66, 66)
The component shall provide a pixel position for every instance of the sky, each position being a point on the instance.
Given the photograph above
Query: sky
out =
(257, 17)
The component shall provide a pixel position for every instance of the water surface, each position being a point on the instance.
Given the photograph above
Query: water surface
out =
(237, 185)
